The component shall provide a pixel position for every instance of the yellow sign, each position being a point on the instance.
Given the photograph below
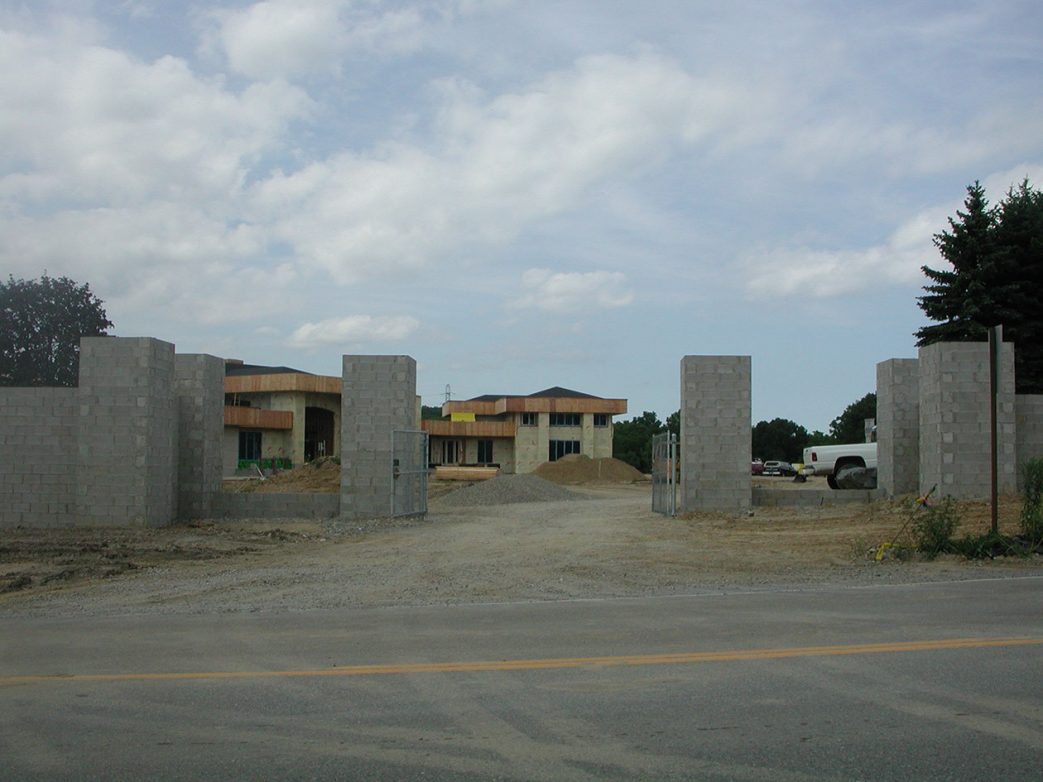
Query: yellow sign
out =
(461, 417)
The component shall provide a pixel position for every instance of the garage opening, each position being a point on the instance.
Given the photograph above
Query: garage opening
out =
(318, 433)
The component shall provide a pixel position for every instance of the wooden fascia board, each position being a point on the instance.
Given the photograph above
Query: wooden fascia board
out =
(288, 381)
(258, 418)
(469, 428)
(547, 404)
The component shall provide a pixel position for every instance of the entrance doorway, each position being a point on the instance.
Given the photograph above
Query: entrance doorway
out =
(318, 433)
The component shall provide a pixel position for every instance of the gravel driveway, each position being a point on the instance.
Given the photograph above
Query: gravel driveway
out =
(601, 542)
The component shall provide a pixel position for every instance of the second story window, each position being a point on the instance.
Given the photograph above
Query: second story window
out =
(530, 419)
(600, 419)
(564, 419)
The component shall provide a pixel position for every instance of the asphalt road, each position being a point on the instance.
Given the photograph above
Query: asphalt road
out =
(926, 682)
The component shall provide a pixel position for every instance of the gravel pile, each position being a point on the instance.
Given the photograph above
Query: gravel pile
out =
(508, 489)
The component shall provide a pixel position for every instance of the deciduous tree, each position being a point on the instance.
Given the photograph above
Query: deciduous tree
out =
(41, 322)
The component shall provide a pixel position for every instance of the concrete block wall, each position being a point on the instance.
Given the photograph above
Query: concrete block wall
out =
(1028, 409)
(955, 452)
(127, 444)
(38, 432)
(716, 433)
(898, 425)
(199, 383)
(378, 396)
(254, 505)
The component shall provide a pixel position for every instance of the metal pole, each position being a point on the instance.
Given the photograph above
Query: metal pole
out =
(995, 341)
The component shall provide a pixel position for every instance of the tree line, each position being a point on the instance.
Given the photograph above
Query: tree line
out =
(779, 438)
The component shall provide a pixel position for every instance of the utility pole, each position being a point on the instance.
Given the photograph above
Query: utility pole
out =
(995, 344)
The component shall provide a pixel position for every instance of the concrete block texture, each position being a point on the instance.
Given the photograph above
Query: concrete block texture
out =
(127, 440)
(716, 433)
(955, 429)
(898, 425)
(253, 505)
(38, 431)
(1028, 410)
(199, 383)
(378, 396)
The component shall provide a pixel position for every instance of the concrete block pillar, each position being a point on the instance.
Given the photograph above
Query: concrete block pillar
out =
(378, 396)
(716, 433)
(898, 425)
(127, 440)
(199, 381)
(1028, 409)
(954, 420)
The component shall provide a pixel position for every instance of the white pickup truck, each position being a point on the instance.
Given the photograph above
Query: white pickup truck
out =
(828, 459)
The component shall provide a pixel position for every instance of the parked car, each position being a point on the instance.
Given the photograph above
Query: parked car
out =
(773, 467)
(756, 467)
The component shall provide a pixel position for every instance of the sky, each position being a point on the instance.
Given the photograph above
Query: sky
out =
(517, 194)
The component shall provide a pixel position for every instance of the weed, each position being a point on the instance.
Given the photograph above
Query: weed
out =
(1032, 510)
(933, 527)
(987, 545)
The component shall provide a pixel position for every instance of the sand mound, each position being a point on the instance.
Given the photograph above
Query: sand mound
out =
(322, 476)
(508, 489)
(577, 468)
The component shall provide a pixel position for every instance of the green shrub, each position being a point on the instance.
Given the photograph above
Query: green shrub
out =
(933, 527)
(987, 545)
(1032, 510)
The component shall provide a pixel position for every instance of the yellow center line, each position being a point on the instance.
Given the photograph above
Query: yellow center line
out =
(680, 658)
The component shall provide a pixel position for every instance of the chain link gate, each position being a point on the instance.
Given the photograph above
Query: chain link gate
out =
(664, 473)
(408, 472)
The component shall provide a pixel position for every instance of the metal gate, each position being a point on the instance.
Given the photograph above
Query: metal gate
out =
(664, 473)
(408, 472)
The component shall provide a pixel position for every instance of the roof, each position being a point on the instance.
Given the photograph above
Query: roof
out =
(555, 392)
(234, 370)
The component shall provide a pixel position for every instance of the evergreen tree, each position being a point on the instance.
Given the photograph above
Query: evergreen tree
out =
(996, 255)
(955, 298)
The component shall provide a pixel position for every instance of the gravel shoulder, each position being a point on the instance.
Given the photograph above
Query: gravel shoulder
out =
(603, 541)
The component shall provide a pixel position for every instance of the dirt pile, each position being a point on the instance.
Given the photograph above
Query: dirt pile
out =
(506, 490)
(577, 468)
(321, 476)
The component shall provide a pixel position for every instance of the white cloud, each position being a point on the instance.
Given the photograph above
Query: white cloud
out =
(128, 174)
(803, 272)
(496, 165)
(777, 272)
(354, 329)
(86, 123)
(573, 291)
(278, 39)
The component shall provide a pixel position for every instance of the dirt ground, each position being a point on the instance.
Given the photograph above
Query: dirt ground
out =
(606, 543)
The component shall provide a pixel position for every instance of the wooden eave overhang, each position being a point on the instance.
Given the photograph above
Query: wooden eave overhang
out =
(318, 384)
(258, 418)
(469, 428)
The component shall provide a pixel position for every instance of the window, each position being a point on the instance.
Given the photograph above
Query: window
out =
(564, 419)
(485, 452)
(250, 446)
(559, 448)
(600, 419)
(450, 451)
(530, 419)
